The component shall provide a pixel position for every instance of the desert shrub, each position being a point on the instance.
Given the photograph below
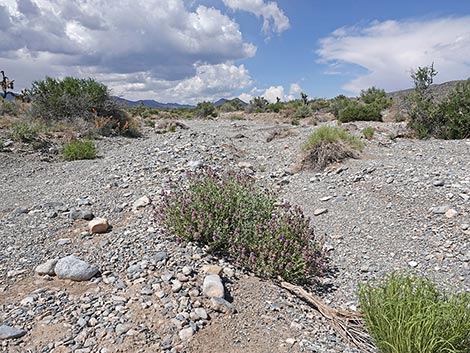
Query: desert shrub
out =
(406, 314)
(362, 112)
(377, 97)
(274, 107)
(295, 121)
(327, 145)
(205, 109)
(79, 149)
(338, 103)
(368, 132)
(257, 105)
(238, 219)
(8, 108)
(75, 100)
(318, 104)
(26, 130)
(451, 118)
(302, 112)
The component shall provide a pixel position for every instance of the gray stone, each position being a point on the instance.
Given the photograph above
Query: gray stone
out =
(451, 213)
(440, 209)
(222, 306)
(141, 203)
(121, 329)
(71, 267)
(319, 211)
(160, 256)
(47, 268)
(64, 241)
(213, 287)
(7, 332)
(20, 210)
(193, 165)
(201, 313)
(439, 182)
(186, 333)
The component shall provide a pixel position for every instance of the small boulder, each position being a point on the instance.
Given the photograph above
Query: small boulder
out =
(141, 203)
(186, 333)
(212, 269)
(47, 268)
(71, 267)
(7, 332)
(222, 306)
(213, 287)
(98, 225)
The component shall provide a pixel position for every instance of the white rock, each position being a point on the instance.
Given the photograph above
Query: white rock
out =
(213, 287)
(71, 267)
(222, 306)
(451, 213)
(141, 203)
(319, 211)
(98, 225)
(186, 333)
(47, 268)
(413, 264)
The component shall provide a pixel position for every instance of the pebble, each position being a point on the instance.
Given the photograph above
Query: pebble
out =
(186, 333)
(71, 267)
(412, 264)
(222, 306)
(439, 182)
(213, 287)
(451, 213)
(201, 313)
(121, 329)
(141, 203)
(212, 269)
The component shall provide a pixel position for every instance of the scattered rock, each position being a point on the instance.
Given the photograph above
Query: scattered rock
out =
(450, 213)
(413, 264)
(20, 210)
(440, 209)
(212, 269)
(47, 268)
(98, 225)
(141, 203)
(222, 306)
(319, 211)
(71, 267)
(8, 332)
(186, 333)
(122, 329)
(78, 213)
(213, 287)
(439, 182)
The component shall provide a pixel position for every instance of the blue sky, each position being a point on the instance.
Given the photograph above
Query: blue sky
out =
(189, 51)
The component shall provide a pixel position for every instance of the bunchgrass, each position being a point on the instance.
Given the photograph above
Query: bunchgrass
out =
(243, 222)
(26, 130)
(368, 132)
(407, 314)
(327, 145)
(79, 149)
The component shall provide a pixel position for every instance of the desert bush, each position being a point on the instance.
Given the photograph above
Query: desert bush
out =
(26, 130)
(327, 145)
(257, 105)
(79, 149)
(76, 101)
(238, 219)
(205, 109)
(8, 108)
(368, 132)
(406, 314)
(318, 104)
(377, 97)
(355, 111)
(274, 107)
(302, 112)
(338, 103)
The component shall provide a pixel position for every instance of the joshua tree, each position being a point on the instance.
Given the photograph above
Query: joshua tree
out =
(6, 84)
(304, 97)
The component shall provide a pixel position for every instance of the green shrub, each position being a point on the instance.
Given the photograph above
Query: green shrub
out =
(406, 314)
(318, 104)
(76, 100)
(9, 108)
(302, 112)
(257, 105)
(339, 103)
(295, 121)
(274, 107)
(327, 145)
(368, 132)
(26, 130)
(376, 97)
(236, 218)
(80, 149)
(360, 112)
(205, 109)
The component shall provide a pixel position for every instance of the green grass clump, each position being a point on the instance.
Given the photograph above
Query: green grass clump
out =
(368, 132)
(79, 150)
(332, 134)
(406, 314)
(26, 130)
(239, 220)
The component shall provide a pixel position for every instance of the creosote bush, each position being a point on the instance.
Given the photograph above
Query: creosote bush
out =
(240, 220)
(355, 111)
(327, 145)
(406, 314)
(79, 149)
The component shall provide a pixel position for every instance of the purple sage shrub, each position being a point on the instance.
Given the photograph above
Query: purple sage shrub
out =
(244, 222)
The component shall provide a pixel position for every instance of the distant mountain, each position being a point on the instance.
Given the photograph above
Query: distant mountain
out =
(222, 101)
(150, 103)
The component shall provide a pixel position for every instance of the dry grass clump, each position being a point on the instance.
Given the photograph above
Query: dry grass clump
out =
(329, 145)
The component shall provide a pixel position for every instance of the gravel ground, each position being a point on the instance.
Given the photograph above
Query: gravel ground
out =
(403, 205)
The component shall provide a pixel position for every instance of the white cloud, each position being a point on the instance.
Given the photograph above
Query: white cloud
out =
(294, 89)
(274, 92)
(157, 43)
(389, 50)
(274, 19)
